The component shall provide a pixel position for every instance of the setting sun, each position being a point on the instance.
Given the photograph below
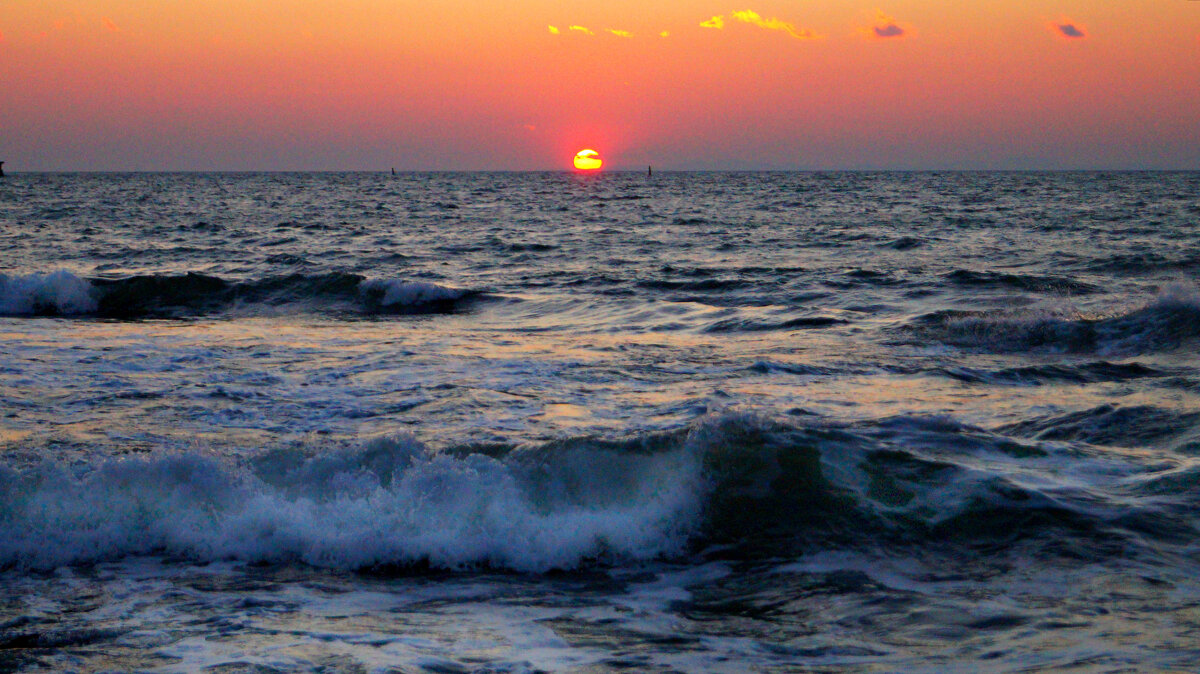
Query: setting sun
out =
(588, 160)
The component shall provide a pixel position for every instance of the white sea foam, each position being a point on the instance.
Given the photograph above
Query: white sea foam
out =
(391, 502)
(59, 292)
(396, 292)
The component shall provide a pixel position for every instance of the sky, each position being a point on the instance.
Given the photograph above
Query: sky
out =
(524, 84)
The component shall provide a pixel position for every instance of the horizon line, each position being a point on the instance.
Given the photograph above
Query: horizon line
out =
(10, 172)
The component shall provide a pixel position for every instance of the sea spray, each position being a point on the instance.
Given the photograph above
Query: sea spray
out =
(391, 502)
(58, 293)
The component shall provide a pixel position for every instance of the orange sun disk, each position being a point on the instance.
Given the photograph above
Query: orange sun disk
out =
(588, 160)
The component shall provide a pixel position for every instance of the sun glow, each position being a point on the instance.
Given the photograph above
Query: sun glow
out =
(588, 160)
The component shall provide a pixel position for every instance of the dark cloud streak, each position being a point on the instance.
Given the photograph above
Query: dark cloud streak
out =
(1069, 30)
(890, 30)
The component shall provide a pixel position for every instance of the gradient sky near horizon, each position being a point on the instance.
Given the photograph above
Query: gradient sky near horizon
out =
(524, 84)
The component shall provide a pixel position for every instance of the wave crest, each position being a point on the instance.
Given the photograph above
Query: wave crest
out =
(58, 293)
(391, 502)
(391, 294)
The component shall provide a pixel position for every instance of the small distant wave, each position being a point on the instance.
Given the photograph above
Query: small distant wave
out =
(738, 483)
(1030, 282)
(181, 295)
(905, 243)
(287, 259)
(766, 324)
(853, 279)
(1133, 426)
(704, 285)
(1034, 375)
(1144, 262)
(522, 247)
(775, 367)
(1166, 322)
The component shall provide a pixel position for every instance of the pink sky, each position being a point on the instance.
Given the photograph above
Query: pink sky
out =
(483, 84)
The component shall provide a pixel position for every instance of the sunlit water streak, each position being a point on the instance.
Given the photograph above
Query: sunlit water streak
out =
(549, 421)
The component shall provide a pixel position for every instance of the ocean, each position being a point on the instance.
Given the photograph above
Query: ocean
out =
(524, 422)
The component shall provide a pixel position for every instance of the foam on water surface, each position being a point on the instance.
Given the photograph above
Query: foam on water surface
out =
(55, 293)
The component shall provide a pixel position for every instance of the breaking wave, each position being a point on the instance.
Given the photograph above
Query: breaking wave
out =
(179, 295)
(737, 484)
(57, 293)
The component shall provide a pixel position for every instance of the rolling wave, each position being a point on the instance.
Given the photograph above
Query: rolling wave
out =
(1036, 375)
(1134, 426)
(1172, 318)
(766, 324)
(735, 484)
(1029, 282)
(192, 294)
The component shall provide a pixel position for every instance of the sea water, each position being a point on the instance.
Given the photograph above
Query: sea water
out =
(556, 422)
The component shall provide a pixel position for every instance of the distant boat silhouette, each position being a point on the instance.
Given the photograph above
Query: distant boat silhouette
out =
(649, 170)
(1, 169)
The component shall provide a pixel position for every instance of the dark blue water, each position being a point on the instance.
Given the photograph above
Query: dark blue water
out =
(558, 422)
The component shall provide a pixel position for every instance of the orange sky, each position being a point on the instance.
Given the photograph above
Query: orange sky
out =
(486, 84)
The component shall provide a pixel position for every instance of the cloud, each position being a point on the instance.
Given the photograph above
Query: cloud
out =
(885, 27)
(1069, 30)
(554, 30)
(108, 23)
(747, 16)
(717, 22)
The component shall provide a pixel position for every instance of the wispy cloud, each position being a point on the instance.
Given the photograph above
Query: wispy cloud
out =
(1069, 30)
(756, 19)
(554, 30)
(747, 16)
(108, 23)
